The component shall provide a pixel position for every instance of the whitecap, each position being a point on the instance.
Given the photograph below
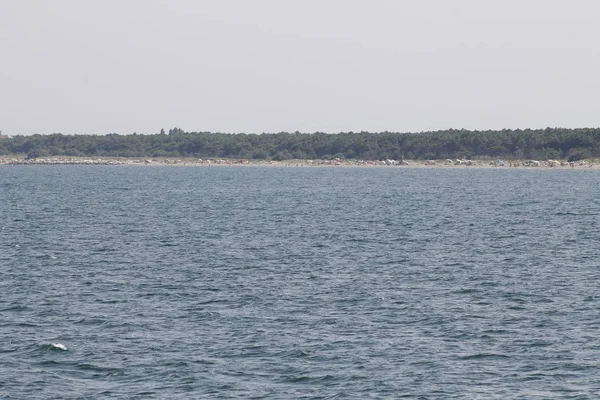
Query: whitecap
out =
(58, 346)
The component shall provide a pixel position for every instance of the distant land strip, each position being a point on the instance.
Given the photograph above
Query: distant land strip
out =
(560, 144)
(336, 162)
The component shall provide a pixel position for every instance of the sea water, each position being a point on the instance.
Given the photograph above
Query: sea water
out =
(267, 282)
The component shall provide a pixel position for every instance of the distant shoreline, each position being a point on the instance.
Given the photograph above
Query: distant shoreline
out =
(336, 163)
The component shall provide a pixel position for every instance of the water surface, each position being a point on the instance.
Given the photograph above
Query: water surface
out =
(232, 282)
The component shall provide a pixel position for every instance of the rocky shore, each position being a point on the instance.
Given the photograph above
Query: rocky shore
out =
(448, 163)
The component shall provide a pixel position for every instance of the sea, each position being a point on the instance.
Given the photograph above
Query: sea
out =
(175, 282)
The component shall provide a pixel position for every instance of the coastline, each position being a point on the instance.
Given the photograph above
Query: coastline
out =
(336, 163)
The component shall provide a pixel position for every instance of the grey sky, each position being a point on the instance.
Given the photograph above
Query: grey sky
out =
(83, 66)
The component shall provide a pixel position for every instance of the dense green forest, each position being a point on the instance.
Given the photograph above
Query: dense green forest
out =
(541, 144)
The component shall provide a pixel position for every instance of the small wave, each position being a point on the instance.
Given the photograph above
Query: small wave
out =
(45, 257)
(59, 346)
(55, 347)
(168, 244)
(91, 321)
(100, 370)
(571, 213)
(16, 307)
(296, 353)
(483, 356)
(467, 291)
(309, 379)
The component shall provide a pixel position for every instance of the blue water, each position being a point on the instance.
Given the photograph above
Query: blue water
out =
(232, 282)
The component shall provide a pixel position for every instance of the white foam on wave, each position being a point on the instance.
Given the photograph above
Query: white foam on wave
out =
(58, 346)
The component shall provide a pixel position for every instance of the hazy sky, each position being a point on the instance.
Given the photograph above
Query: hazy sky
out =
(90, 66)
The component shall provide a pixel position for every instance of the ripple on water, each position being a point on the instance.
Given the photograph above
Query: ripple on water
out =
(294, 282)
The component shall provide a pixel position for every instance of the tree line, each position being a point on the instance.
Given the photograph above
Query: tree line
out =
(539, 144)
